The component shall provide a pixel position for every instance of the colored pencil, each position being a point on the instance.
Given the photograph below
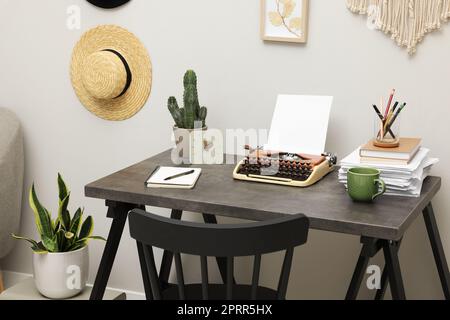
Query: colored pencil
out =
(388, 107)
(378, 112)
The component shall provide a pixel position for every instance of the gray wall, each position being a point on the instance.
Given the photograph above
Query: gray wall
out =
(240, 77)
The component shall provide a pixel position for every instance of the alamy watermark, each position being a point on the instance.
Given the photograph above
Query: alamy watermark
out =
(210, 146)
(73, 21)
(373, 12)
(374, 279)
(73, 281)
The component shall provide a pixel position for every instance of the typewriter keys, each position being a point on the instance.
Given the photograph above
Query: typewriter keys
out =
(286, 166)
(282, 168)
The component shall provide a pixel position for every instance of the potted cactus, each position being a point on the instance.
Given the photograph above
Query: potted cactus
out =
(61, 257)
(190, 122)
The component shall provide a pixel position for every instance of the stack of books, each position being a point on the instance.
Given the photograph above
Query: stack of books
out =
(403, 168)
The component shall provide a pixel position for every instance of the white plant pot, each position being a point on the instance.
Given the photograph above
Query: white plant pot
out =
(191, 144)
(61, 275)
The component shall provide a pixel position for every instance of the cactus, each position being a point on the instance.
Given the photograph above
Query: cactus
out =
(176, 112)
(187, 117)
(202, 114)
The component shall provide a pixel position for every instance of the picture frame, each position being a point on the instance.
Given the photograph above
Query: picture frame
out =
(285, 20)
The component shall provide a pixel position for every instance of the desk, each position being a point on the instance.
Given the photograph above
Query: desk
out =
(381, 225)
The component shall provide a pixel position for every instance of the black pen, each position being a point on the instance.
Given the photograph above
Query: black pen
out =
(395, 107)
(179, 175)
(389, 125)
(378, 112)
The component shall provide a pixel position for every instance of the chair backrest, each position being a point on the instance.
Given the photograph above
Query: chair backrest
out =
(228, 241)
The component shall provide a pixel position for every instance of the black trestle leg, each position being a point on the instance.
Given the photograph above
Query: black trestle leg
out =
(119, 212)
(390, 249)
(384, 281)
(383, 286)
(370, 248)
(358, 276)
(438, 250)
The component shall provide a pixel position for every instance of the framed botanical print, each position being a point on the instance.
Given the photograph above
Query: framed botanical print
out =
(284, 20)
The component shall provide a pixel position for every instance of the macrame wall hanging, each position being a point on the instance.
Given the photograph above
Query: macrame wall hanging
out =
(407, 21)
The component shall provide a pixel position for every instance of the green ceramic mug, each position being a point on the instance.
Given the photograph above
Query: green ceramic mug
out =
(364, 184)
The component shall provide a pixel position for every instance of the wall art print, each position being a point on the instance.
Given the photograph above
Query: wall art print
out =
(284, 20)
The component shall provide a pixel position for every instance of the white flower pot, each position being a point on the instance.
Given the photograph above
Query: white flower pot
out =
(61, 275)
(191, 144)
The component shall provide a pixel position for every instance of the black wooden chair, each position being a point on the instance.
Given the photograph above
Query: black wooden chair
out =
(228, 241)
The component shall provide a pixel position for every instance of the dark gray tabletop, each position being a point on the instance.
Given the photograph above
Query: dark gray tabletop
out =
(326, 204)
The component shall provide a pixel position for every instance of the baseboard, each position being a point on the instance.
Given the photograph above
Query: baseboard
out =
(11, 278)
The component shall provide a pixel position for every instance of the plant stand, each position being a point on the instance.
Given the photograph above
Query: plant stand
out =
(26, 290)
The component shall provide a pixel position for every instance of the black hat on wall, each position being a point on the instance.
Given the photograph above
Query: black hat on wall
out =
(108, 4)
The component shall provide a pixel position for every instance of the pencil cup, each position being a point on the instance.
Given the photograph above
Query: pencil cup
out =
(387, 131)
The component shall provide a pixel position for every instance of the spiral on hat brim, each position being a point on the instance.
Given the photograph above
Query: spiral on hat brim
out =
(130, 47)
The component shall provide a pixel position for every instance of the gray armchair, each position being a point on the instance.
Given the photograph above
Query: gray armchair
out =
(11, 179)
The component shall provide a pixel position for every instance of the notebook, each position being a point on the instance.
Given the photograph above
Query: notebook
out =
(157, 178)
(372, 160)
(406, 151)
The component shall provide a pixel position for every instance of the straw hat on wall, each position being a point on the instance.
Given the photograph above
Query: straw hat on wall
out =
(111, 72)
(108, 4)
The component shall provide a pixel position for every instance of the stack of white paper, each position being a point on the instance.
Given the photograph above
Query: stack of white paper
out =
(401, 180)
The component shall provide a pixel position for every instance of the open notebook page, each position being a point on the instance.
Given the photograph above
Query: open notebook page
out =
(159, 176)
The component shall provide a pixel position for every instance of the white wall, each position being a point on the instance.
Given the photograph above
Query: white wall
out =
(240, 77)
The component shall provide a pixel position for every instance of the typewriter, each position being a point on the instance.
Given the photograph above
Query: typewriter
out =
(275, 167)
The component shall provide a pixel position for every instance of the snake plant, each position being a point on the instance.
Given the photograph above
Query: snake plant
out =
(65, 233)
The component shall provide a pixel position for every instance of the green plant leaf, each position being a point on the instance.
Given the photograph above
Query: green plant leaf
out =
(76, 245)
(37, 247)
(61, 240)
(203, 113)
(33, 242)
(87, 228)
(57, 224)
(92, 238)
(62, 187)
(39, 251)
(63, 213)
(51, 244)
(97, 238)
(42, 216)
(76, 221)
(84, 242)
(41, 245)
(75, 225)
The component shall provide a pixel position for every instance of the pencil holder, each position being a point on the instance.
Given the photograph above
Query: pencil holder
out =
(387, 132)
